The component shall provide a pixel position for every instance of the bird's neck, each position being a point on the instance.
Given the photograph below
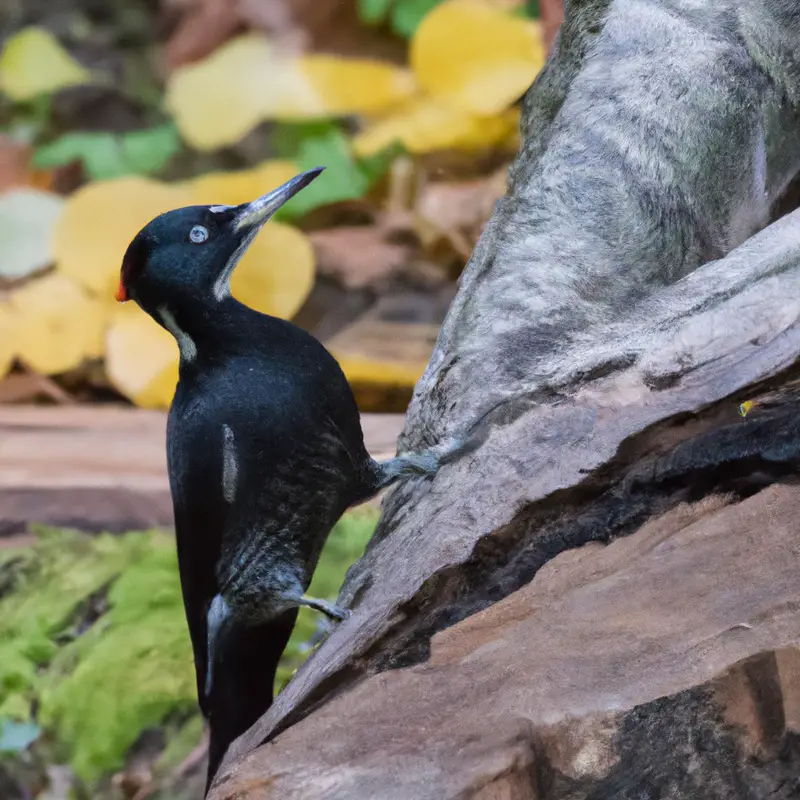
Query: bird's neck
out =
(206, 327)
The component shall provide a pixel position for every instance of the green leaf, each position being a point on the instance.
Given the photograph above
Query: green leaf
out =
(99, 153)
(407, 15)
(101, 156)
(345, 178)
(148, 151)
(17, 736)
(105, 155)
(373, 12)
(376, 166)
(288, 137)
(26, 120)
(321, 143)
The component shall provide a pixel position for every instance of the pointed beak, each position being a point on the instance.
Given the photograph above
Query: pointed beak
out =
(255, 214)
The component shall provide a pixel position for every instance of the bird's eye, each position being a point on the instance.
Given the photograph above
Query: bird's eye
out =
(198, 234)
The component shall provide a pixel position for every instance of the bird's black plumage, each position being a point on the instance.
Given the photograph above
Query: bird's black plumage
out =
(264, 449)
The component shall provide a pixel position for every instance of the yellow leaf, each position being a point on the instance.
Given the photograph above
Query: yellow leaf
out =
(368, 371)
(56, 324)
(33, 63)
(475, 56)
(141, 358)
(356, 86)
(7, 343)
(427, 125)
(379, 352)
(160, 391)
(746, 407)
(99, 222)
(277, 272)
(217, 101)
(233, 188)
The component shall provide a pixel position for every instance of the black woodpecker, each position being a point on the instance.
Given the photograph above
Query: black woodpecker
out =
(264, 449)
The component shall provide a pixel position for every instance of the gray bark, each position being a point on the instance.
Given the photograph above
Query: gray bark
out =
(619, 306)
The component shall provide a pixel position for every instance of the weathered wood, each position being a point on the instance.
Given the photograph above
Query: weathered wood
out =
(101, 467)
(568, 690)
(604, 333)
(528, 487)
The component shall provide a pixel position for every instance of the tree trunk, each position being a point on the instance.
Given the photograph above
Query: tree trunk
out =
(619, 307)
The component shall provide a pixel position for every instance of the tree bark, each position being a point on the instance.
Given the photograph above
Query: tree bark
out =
(618, 308)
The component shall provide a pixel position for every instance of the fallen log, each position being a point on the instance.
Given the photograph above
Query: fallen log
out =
(618, 308)
(101, 468)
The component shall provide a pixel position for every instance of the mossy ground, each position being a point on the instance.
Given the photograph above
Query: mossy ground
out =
(94, 647)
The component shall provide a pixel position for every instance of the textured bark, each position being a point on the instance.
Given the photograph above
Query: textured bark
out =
(615, 312)
(597, 680)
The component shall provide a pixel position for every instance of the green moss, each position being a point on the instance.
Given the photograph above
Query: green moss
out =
(51, 584)
(92, 632)
(15, 707)
(128, 672)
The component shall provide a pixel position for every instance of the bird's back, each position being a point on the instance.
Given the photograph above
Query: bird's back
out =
(265, 453)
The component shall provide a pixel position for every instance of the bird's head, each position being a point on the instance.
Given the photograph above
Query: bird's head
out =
(194, 250)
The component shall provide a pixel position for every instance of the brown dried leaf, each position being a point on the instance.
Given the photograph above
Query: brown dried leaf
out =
(203, 27)
(14, 158)
(332, 26)
(462, 206)
(15, 169)
(449, 216)
(359, 256)
(387, 349)
(389, 354)
(296, 26)
(30, 386)
(551, 14)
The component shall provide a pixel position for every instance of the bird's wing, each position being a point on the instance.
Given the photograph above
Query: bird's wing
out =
(195, 469)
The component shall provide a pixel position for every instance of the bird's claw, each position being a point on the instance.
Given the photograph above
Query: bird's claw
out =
(330, 610)
(336, 613)
(341, 614)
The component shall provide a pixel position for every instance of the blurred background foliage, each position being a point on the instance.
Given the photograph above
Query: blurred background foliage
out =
(96, 669)
(113, 111)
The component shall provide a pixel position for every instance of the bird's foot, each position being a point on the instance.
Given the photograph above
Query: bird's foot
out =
(417, 464)
(329, 609)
